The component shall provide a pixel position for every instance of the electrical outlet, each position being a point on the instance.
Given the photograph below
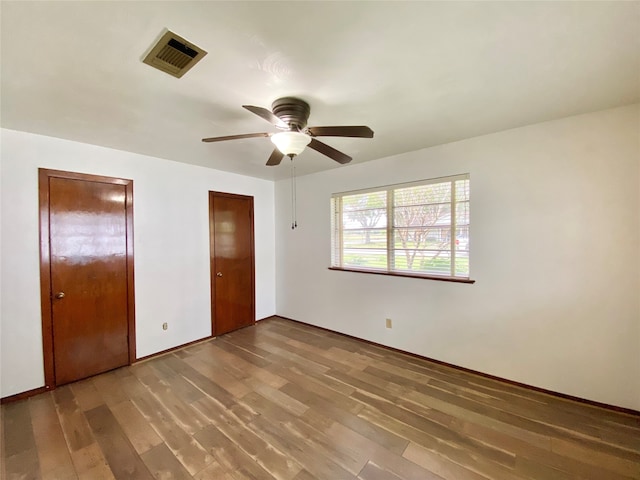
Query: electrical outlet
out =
(165, 326)
(389, 323)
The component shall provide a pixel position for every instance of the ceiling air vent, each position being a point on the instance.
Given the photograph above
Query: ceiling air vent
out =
(172, 54)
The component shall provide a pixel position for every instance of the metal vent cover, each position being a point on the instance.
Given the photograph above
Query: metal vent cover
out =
(174, 55)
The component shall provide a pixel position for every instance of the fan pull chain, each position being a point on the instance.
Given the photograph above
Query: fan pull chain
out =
(294, 213)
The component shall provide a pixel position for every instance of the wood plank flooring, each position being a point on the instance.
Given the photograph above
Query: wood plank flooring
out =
(286, 401)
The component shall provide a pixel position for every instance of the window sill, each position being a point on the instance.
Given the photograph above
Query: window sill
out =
(409, 275)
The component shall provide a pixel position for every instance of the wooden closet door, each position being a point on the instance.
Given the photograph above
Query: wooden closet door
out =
(232, 262)
(89, 285)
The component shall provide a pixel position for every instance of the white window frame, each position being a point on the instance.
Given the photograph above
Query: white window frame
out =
(337, 231)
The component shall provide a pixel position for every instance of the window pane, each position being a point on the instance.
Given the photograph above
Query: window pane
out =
(365, 258)
(369, 218)
(434, 238)
(365, 238)
(462, 264)
(422, 215)
(462, 239)
(429, 263)
(364, 200)
(365, 210)
(462, 213)
(423, 194)
(462, 190)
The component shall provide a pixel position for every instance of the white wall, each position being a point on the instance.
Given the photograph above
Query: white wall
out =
(171, 245)
(555, 252)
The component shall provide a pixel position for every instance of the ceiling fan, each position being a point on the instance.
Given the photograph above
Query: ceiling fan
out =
(290, 115)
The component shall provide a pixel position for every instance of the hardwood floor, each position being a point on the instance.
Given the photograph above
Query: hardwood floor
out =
(286, 401)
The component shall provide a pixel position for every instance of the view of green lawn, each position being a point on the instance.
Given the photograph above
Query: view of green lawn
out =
(424, 262)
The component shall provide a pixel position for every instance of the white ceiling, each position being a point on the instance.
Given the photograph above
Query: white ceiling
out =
(418, 73)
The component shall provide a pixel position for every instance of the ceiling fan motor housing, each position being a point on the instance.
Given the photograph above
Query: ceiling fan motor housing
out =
(293, 111)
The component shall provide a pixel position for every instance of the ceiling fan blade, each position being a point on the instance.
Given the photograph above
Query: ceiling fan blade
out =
(236, 137)
(275, 158)
(267, 115)
(360, 131)
(330, 152)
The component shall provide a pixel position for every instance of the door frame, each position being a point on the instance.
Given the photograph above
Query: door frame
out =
(212, 256)
(46, 293)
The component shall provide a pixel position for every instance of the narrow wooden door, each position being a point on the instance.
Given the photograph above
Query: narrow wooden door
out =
(232, 262)
(87, 257)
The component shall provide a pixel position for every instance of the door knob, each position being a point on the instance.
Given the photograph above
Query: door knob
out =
(59, 295)
(219, 274)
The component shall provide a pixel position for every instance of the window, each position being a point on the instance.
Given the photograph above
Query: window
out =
(418, 229)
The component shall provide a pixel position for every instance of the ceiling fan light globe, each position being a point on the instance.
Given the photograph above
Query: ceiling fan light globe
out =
(291, 143)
